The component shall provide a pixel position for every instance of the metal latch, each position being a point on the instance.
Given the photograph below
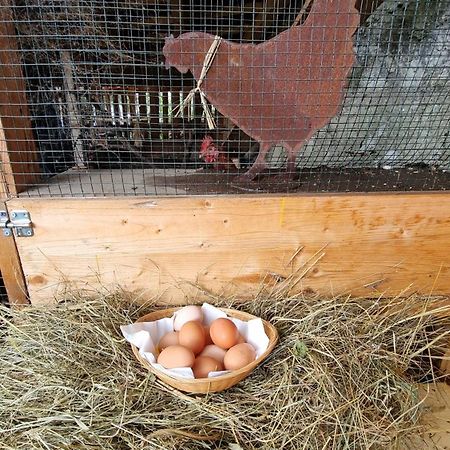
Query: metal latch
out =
(4, 219)
(18, 221)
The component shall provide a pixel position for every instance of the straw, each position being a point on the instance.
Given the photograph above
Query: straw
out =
(209, 58)
(344, 376)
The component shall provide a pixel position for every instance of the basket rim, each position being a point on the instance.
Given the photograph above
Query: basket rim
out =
(234, 373)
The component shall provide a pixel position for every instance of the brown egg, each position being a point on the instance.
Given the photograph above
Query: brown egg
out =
(224, 333)
(215, 352)
(192, 336)
(207, 336)
(239, 356)
(176, 356)
(170, 338)
(205, 364)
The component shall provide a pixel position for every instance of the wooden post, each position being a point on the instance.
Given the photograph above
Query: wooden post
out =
(5, 166)
(72, 107)
(11, 269)
(18, 154)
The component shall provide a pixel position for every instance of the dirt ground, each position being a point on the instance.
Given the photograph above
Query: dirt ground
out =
(317, 180)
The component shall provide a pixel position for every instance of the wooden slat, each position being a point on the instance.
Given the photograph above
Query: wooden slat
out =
(368, 244)
(19, 161)
(4, 193)
(11, 270)
(7, 185)
(3, 186)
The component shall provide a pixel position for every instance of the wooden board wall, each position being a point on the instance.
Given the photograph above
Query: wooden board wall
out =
(18, 156)
(367, 244)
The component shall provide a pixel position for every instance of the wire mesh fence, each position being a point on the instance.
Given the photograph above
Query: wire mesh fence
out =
(89, 108)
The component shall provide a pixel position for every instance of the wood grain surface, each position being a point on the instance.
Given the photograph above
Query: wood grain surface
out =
(18, 155)
(362, 244)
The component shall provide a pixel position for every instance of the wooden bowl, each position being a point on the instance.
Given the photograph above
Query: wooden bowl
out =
(206, 385)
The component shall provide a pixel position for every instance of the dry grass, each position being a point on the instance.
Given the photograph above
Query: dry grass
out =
(342, 377)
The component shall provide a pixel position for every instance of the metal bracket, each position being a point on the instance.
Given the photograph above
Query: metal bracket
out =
(18, 222)
(4, 219)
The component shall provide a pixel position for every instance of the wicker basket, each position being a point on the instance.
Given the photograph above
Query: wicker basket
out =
(206, 385)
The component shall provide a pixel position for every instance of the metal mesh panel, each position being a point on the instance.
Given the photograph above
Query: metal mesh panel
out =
(87, 105)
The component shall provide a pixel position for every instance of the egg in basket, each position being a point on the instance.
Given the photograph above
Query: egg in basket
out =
(200, 349)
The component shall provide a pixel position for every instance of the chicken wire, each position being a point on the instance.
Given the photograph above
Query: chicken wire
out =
(101, 102)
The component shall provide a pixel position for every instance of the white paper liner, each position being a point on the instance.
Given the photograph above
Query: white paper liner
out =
(146, 335)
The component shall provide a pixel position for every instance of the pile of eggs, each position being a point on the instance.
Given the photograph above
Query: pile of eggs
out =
(205, 349)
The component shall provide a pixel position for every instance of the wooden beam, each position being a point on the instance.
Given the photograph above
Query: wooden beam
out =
(6, 175)
(3, 185)
(4, 192)
(359, 244)
(72, 109)
(11, 269)
(18, 154)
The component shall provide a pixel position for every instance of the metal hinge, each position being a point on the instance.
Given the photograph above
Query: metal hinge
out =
(18, 221)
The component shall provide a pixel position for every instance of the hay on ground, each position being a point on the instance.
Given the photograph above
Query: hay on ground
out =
(342, 377)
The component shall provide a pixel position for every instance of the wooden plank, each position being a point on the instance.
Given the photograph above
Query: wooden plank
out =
(72, 109)
(4, 193)
(11, 270)
(6, 176)
(19, 158)
(368, 244)
(3, 185)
